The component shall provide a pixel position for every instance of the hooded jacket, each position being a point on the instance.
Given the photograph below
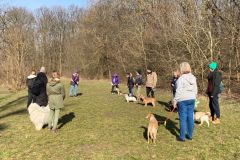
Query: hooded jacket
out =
(115, 79)
(186, 88)
(41, 81)
(30, 80)
(56, 94)
(151, 80)
(214, 80)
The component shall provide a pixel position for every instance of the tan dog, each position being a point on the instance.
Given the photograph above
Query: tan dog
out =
(202, 116)
(152, 127)
(147, 100)
(118, 91)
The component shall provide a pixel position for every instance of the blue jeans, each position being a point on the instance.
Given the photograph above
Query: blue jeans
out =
(74, 89)
(130, 90)
(185, 112)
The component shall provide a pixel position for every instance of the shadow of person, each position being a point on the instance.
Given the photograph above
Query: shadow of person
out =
(65, 119)
(79, 94)
(144, 132)
(170, 125)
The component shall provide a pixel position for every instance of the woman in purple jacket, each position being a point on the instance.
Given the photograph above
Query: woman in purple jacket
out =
(115, 82)
(74, 84)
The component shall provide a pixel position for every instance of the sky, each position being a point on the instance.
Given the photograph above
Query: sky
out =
(35, 4)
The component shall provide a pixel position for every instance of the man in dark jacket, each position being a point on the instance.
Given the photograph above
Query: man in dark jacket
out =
(29, 83)
(41, 83)
(130, 84)
(213, 90)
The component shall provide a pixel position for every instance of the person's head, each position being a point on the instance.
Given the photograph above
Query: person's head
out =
(33, 72)
(129, 74)
(149, 71)
(55, 75)
(176, 73)
(185, 68)
(212, 66)
(138, 72)
(43, 70)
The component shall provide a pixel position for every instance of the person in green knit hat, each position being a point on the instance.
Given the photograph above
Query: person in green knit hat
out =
(213, 91)
(56, 95)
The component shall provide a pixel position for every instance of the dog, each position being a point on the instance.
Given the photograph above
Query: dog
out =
(118, 91)
(202, 116)
(38, 115)
(152, 128)
(130, 99)
(147, 100)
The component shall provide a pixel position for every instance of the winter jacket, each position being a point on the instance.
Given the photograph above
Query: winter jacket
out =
(174, 84)
(214, 80)
(139, 80)
(186, 88)
(115, 79)
(151, 80)
(29, 81)
(130, 82)
(75, 79)
(56, 94)
(41, 80)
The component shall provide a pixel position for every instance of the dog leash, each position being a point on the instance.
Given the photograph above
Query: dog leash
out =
(169, 115)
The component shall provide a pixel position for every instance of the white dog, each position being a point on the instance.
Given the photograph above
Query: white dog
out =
(38, 115)
(130, 99)
(202, 116)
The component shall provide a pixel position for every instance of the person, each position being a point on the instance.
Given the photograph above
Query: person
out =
(184, 100)
(74, 84)
(39, 88)
(138, 83)
(151, 83)
(213, 91)
(56, 94)
(130, 84)
(115, 82)
(174, 82)
(29, 83)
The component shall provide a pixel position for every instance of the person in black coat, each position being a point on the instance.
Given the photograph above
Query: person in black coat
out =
(213, 91)
(29, 82)
(130, 84)
(41, 81)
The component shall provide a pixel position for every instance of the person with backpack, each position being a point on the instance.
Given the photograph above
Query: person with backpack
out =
(74, 84)
(130, 84)
(39, 88)
(115, 82)
(213, 91)
(56, 94)
(29, 83)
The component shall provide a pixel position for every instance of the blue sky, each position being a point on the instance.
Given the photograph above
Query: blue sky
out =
(34, 4)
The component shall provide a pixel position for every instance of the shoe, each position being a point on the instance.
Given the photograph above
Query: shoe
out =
(179, 139)
(187, 137)
(216, 121)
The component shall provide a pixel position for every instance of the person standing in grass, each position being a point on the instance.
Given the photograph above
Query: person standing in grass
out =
(115, 82)
(56, 94)
(151, 83)
(130, 84)
(213, 91)
(184, 100)
(138, 83)
(74, 84)
(29, 83)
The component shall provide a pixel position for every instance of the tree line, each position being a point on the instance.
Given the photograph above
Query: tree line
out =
(122, 36)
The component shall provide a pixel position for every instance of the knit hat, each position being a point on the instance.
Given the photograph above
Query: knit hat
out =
(212, 65)
(43, 70)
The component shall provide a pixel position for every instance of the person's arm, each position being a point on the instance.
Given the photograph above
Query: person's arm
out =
(216, 84)
(63, 93)
(154, 79)
(179, 91)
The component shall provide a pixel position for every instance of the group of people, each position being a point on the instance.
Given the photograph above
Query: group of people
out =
(50, 94)
(184, 91)
(151, 83)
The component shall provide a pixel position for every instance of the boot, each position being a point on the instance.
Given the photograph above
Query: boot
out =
(216, 121)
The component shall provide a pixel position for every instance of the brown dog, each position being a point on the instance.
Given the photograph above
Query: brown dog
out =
(152, 127)
(147, 100)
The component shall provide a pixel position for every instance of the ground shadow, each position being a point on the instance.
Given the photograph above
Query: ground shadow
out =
(18, 112)
(171, 126)
(79, 94)
(2, 127)
(13, 103)
(144, 132)
(166, 104)
(65, 119)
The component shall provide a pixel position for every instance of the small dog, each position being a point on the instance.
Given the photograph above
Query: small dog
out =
(130, 99)
(152, 127)
(202, 116)
(147, 100)
(118, 91)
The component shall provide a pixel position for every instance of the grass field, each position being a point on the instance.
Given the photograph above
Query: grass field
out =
(98, 125)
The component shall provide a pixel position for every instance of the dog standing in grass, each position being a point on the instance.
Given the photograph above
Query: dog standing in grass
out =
(152, 128)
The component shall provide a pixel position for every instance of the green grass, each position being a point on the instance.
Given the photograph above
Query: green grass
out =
(98, 125)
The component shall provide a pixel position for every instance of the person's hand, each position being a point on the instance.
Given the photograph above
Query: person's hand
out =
(174, 104)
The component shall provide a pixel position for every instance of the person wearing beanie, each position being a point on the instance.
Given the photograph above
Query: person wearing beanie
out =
(213, 91)
(130, 84)
(138, 83)
(151, 83)
(74, 84)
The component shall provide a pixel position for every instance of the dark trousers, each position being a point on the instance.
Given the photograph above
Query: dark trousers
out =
(149, 90)
(114, 88)
(31, 98)
(214, 106)
(130, 91)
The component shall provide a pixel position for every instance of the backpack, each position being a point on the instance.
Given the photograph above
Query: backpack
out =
(36, 86)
